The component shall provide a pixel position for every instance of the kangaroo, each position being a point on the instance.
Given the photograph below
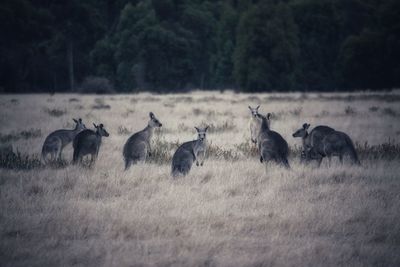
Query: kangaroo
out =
(271, 145)
(88, 142)
(312, 140)
(254, 124)
(189, 152)
(335, 144)
(57, 140)
(137, 147)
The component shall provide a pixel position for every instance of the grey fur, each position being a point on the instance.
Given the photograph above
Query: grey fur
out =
(188, 153)
(57, 140)
(335, 144)
(312, 140)
(88, 142)
(137, 147)
(254, 124)
(271, 145)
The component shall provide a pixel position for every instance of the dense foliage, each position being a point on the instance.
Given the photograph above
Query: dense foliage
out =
(176, 45)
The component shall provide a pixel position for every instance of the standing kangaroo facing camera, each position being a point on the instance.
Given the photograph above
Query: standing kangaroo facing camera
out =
(189, 152)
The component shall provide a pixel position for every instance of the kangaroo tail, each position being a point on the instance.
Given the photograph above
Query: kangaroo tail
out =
(352, 151)
(128, 163)
(285, 163)
(75, 156)
(43, 159)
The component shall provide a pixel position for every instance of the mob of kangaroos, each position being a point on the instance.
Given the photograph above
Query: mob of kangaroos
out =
(322, 141)
(189, 152)
(138, 146)
(57, 140)
(88, 142)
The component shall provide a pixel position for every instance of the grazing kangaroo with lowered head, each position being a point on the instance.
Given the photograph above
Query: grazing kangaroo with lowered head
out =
(335, 144)
(312, 139)
(88, 142)
(189, 152)
(137, 147)
(57, 140)
(254, 124)
(271, 145)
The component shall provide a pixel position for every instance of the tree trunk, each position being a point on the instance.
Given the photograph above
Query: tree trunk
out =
(70, 55)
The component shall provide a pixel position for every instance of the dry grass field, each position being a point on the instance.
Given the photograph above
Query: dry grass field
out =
(233, 211)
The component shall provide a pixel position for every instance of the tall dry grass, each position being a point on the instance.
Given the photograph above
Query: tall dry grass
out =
(233, 211)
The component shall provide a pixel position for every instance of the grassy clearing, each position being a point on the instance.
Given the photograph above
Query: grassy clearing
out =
(233, 211)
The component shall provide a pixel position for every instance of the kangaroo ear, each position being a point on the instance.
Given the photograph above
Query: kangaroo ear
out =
(151, 115)
(308, 126)
(75, 120)
(257, 107)
(101, 125)
(205, 129)
(268, 116)
(80, 120)
(197, 129)
(95, 126)
(249, 107)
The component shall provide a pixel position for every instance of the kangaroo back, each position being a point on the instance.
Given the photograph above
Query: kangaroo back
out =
(183, 159)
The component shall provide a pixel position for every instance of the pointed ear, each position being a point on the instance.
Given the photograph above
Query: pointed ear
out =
(308, 126)
(75, 120)
(206, 128)
(249, 107)
(95, 126)
(151, 115)
(197, 129)
(268, 116)
(80, 120)
(257, 107)
(101, 125)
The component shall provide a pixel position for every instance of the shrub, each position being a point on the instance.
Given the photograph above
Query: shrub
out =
(25, 134)
(96, 85)
(55, 112)
(349, 111)
(122, 130)
(389, 111)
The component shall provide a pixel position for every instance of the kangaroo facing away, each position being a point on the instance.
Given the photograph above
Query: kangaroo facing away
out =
(189, 152)
(254, 124)
(271, 145)
(88, 142)
(57, 140)
(137, 147)
(335, 144)
(312, 139)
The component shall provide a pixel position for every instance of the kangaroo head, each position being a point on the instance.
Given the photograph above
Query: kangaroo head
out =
(154, 122)
(302, 132)
(264, 121)
(201, 133)
(79, 124)
(254, 111)
(100, 130)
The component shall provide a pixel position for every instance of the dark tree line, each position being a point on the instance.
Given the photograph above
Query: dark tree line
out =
(176, 45)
